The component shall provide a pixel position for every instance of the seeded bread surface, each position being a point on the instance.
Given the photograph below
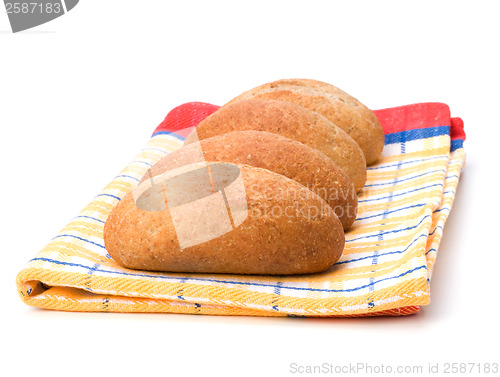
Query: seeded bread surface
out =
(336, 105)
(291, 121)
(279, 154)
(308, 239)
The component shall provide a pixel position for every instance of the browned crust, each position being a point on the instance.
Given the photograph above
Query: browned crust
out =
(336, 105)
(294, 122)
(302, 242)
(281, 155)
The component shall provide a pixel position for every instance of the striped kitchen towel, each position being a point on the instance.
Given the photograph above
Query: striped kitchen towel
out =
(387, 263)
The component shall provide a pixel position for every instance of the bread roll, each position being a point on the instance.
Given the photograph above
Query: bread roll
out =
(279, 154)
(292, 121)
(287, 229)
(339, 107)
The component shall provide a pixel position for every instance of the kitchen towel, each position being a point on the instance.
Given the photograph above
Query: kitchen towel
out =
(386, 267)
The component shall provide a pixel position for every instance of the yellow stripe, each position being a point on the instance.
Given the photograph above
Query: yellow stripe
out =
(135, 171)
(388, 224)
(145, 294)
(401, 173)
(150, 155)
(412, 183)
(101, 207)
(438, 151)
(143, 289)
(359, 247)
(69, 250)
(413, 199)
(122, 186)
(381, 269)
(85, 229)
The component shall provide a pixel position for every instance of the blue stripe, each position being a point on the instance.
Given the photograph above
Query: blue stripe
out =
(407, 179)
(141, 162)
(383, 254)
(371, 304)
(105, 303)
(277, 292)
(80, 238)
(399, 209)
(436, 228)
(402, 193)
(432, 249)
(112, 196)
(456, 144)
(419, 133)
(90, 217)
(155, 149)
(180, 292)
(229, 281)
(89, 277)
(442, 209)
(181, 138)
(382, 166)
(127, 176)
(388, 232)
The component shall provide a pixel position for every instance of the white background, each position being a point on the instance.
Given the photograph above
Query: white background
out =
(80, 96)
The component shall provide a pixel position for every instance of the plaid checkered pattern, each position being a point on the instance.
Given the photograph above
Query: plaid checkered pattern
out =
(386, 267)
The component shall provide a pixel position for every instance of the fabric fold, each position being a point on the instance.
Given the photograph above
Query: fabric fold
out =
(387, 263)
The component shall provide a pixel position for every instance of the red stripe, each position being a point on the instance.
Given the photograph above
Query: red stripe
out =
(395, 119)
(457, 129)
(410, 117)
(185, 116)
